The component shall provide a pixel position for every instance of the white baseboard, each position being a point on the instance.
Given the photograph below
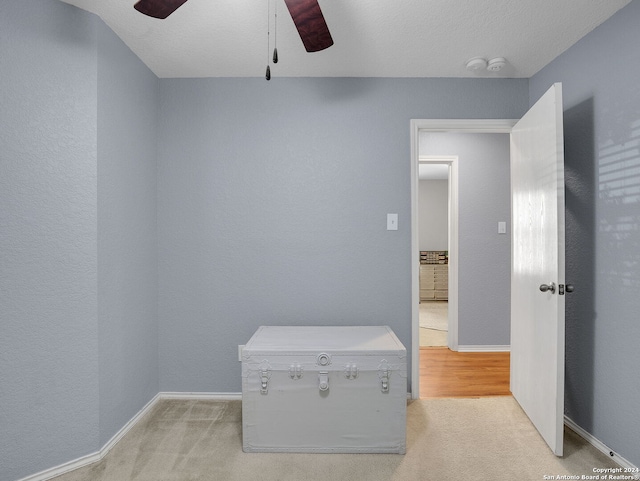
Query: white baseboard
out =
(125, 429)
(599, 445)
(64, 468)
(483, 348)
(211, 396)
(93, 457)
(97, 456)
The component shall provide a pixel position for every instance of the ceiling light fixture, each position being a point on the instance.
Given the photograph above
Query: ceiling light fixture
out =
(306, 15)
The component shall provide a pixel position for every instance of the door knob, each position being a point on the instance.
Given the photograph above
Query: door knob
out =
(569, 287)
(548, 287)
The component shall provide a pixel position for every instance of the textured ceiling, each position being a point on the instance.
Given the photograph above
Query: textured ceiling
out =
(398, 38)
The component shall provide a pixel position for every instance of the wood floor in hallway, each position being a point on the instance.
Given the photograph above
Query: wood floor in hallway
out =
(445, 373)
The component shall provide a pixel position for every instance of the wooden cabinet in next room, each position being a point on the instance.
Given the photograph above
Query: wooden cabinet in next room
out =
(434, 282)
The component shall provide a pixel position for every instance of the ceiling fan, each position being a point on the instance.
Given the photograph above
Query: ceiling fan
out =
(306, 15)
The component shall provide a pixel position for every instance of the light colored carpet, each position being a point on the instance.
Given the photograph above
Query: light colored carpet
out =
(447, 440)
(434, 315)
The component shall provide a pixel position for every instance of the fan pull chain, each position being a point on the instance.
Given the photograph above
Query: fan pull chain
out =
(275, 36)
(268, 73)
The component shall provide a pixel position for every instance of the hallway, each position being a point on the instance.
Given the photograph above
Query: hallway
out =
(445, 373)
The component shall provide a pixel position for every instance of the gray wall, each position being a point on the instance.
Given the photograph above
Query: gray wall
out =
(127, 233)
(272, 207)
(48, 228)
(78, 277)
(484, 255)
(433, 215)
(602, 156)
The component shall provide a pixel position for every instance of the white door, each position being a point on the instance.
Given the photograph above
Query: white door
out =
(537, 266)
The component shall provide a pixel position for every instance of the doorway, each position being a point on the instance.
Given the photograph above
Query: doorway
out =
(435, 209)
(440, 125)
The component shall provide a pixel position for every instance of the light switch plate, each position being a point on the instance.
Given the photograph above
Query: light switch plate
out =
(392, 221)
(502, 227)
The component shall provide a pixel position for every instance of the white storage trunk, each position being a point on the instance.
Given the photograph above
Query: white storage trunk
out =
(324, 390)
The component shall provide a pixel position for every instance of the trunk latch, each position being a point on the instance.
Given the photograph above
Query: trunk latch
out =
(383, 375)
(265, 375)
(323, 380)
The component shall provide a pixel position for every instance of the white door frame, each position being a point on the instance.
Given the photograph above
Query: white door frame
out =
(488, 126)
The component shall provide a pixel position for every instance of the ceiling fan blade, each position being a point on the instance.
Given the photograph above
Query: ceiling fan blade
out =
(309, 21)
(158, 8)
